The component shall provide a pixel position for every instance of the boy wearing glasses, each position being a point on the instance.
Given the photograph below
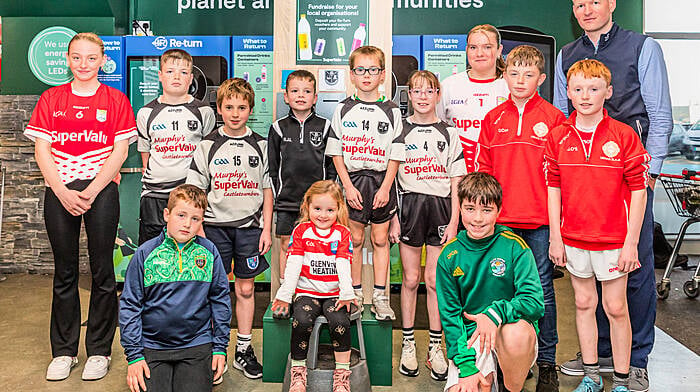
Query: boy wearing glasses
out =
(511, 148)
(429, 214)
(366, 145)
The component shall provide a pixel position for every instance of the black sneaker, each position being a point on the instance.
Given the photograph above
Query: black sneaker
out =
(547, 380)
(248, 363)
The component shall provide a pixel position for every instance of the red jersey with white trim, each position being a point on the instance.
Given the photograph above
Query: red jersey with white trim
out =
(595, 181)
(463, 104)
(511, 148)
(318, 263)
(82, 130)
(433, 156)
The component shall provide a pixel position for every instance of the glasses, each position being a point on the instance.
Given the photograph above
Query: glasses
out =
(429, 92)
(359, 71)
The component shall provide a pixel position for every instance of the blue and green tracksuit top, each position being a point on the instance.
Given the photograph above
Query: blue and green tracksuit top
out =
(174, 298)
(496, 276)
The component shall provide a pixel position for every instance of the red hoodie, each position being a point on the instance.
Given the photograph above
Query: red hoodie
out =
(595, 185)
(511, 148)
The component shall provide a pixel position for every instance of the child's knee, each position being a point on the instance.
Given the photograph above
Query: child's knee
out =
(411, 279)
(358, 239)
(516, 339)
(586, 301)
(615, 307)
(380, 240)
(244, 289)
(429, 277)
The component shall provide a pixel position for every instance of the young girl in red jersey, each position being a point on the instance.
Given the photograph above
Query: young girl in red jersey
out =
(82, 132)
(467, 96)
(318, 272)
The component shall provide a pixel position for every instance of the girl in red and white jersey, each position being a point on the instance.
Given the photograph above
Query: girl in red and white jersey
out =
(467, 96)
(82, 132)
(318, 272)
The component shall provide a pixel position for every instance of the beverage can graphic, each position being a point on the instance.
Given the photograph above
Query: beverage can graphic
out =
(359, 38)
(246, 76)
(340, 43)
(263, 74)
(304, 38)
(319, 47)
(454, 69)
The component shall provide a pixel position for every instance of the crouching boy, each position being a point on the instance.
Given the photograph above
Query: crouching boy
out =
(175, 309)
(489, 294)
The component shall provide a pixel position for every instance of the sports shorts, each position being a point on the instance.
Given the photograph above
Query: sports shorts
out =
(367, 183)
(423, 218)
(285, 222)
(241, 246)
(585, 264)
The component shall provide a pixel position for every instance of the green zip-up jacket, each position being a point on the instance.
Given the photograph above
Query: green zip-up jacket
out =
(496, 276)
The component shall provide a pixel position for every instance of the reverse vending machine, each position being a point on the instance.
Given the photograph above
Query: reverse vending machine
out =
(406, 57)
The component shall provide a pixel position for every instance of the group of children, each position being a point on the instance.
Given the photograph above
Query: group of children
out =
(489, 285)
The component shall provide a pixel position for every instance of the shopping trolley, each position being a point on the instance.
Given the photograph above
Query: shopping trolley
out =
(684, 193)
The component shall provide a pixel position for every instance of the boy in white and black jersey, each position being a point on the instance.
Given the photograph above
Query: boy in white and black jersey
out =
(230, 165)
(428, 213)
(170, 127)
(366, 146)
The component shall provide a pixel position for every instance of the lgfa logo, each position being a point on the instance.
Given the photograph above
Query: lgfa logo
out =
(160, 43)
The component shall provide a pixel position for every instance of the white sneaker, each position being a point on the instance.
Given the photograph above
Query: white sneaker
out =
(408, 364)
(59, 368)
(380, 307)
(437, 363)
(96, 367)
(360, 298)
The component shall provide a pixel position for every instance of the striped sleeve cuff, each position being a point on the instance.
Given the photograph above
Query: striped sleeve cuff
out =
(494, 316)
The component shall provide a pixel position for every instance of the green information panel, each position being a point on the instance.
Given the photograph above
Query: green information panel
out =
(328, 31)
(444, 55)
(47, 55)
(252, 61)
(143, 81)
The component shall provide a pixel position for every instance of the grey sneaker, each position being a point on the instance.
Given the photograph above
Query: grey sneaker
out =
(574, 367)
(59, 368)
(96, 367)
(380, 307)
(360, 298)
(408, 366)
(437, 364)
(639, 379)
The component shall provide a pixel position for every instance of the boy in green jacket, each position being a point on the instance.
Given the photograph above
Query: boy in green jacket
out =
(489, 294)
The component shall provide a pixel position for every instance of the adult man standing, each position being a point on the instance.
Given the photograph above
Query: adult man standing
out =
(641, 100)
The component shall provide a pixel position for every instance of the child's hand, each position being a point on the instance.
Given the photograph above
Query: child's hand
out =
(395, 230)
(450, 233)
(265, 241)
(354, 198)
(557, 253)
(381, 198)
(345, 303)
(280, 307)
(485, 332)
(135, 376)
(218, 362)
(628, 260)
(474, 383)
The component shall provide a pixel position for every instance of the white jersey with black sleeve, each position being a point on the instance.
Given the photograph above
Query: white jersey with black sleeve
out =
(170, 134)
(233, 172)
(366, 134)
(433, 156)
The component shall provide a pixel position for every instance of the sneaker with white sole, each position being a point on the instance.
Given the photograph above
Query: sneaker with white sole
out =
(247, 362)
(59, 368)
(408, 366)
(96, 367)
(588, 385)
(360, 297)
(221, 378)
(436, 363)
(380, 307)
(639, 380)
(574, 367)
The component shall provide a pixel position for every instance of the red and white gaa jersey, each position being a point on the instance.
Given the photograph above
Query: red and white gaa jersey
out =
(464, 103)
(318, 263)
(82, 130)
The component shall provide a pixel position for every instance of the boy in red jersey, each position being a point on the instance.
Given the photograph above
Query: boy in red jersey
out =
(511, 148)
(596, 170)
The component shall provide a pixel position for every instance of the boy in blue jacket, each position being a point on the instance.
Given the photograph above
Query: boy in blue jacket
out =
(175, 309)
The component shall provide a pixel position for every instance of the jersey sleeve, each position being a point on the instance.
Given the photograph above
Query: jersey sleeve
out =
(528, 302)
(398, 150)
(266, 182)
(295, 259)
(125, 123)
(334, 146)
(131, 307)
(551, 167)
(144, 142)
(342, 264)
(637, 161)
(457, 167)
(274, 140)
(41, 123)
(483, 147)
(208, 120)
(331, 173)
(198, 175)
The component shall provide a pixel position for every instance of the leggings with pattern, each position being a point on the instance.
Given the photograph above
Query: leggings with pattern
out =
(304, 312)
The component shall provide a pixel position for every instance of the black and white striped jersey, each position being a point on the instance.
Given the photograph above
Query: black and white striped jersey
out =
(433, 156)
(366, 134)
(233, 172)
(170, 134)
